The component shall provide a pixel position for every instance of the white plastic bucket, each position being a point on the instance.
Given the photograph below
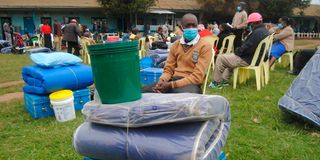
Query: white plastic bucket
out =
(63, 108)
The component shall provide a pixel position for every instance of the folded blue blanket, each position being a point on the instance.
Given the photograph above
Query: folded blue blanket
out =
(47, 80)
(193, 141)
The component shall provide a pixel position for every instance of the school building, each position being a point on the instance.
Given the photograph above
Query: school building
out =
(27, 15)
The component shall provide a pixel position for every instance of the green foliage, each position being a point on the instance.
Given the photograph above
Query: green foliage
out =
(123, 7)
(270, 9)
(274, 9)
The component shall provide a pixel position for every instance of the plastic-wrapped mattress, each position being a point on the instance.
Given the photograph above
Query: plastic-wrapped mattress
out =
(47, 80)
(158, 126)
(154, 109)
(303, 97)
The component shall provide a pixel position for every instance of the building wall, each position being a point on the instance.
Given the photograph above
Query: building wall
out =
(17, 18)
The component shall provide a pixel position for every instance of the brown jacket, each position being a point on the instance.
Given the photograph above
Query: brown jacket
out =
(71, 32)
(189, 62)
(240, 20)
(286, 37)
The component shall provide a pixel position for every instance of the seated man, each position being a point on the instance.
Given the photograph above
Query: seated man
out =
(243, 55)
(187, 62)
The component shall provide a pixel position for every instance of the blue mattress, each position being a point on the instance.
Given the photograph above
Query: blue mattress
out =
(178, 141)
(154, 109)
(158, 126)
(303, 97)
(47, 80)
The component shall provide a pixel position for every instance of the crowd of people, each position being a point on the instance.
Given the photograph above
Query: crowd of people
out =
(190, 56)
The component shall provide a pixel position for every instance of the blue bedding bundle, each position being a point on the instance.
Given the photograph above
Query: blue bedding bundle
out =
(303, 97)
(47, 80)
(158, 126)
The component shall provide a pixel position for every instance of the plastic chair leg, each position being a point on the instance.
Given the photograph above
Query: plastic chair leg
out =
(258, 78)
(291, 61)
(235, 77)
(266, 70)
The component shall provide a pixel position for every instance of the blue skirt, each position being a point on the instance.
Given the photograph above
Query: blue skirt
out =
(277, 50)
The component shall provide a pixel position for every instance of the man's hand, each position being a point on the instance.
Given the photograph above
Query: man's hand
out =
(162, 86)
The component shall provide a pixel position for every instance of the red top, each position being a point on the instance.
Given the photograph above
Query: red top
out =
(204, 33)
(46, 29)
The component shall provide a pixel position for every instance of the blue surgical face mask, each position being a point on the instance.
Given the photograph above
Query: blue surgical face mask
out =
(190, 34)
(280, 25)
(239, 8)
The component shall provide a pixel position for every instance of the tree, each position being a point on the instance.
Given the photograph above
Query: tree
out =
(303, 5)
(274, 9)
(270, 9)
(124, 9)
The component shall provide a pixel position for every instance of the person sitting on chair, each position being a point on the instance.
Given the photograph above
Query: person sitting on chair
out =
(243, 55)
(187, 63)
(284, 40)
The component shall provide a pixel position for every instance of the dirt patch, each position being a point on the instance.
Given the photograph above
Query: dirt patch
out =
(9, 84)
(11, 96)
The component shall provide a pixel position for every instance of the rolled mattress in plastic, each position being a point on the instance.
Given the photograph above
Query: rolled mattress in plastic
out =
(179, 141)
(154, 109)
(303, 97)
(47, 80)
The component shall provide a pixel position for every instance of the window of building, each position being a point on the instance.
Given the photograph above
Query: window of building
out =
(154, 21)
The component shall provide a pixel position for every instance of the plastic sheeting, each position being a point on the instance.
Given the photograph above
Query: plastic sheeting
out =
(154, 109)
(158, 126)
(55, 59)
(39, 50)
(303, 97)
(47, 80)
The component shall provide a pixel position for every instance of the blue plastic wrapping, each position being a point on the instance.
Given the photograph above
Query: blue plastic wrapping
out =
(39, 50)
(47, 80)
(55, 59)
(154, 109)
(303, 97)
(158, 126)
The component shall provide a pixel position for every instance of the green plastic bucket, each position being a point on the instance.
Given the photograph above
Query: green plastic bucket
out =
(116, 71)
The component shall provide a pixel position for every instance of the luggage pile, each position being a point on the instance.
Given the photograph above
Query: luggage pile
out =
(54, 72)
(5, 47)
(151, 65)
(148, 126)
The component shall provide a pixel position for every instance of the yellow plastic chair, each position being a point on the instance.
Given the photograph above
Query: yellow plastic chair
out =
(227, 40)
(84, 52)
(266, 67)
(257, 68)
(213, 42)
(39, 41)
(211, 65)
(290, 54)
(142, 47)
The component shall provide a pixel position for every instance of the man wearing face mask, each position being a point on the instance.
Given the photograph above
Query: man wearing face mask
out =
(284, 40)
(239, 23)
(243, 55)
(187, 62)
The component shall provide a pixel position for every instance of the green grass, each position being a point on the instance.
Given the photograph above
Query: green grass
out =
(11, 89)
(11, 66)
(259, 130)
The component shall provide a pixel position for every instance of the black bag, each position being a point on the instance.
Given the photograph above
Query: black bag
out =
(301, 58)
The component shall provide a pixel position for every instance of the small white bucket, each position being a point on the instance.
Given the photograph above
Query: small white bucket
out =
(63, 105)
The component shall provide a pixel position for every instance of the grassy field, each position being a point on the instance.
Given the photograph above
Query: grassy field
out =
(259, 130)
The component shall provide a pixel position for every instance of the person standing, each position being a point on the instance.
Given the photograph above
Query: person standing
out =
(46, 31)
(7, 32)
(71, 33)
(57, 35)
(239, 23)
